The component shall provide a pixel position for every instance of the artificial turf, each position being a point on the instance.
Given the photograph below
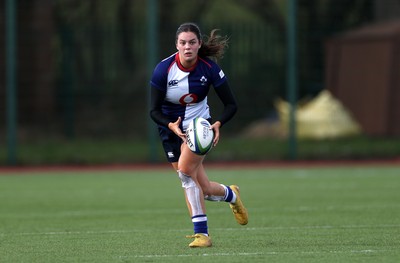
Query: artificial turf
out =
(297, 214)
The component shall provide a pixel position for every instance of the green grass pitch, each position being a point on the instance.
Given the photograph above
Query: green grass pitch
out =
(320, 214)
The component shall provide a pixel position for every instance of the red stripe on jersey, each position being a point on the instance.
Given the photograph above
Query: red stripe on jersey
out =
(181, 67)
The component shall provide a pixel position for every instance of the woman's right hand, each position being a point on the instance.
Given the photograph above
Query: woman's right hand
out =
(174, 126)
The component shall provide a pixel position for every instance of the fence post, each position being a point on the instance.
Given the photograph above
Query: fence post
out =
(292, 76)
(152, 57)
(11, 78)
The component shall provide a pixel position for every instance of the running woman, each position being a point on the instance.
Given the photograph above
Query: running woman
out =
(179, 88)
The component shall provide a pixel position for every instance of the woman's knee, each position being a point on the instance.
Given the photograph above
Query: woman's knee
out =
(189, 162)
(186, 170)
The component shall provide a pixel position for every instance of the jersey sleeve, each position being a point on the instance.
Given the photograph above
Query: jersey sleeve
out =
(156, 101)
(158, 85)
(159, 77)
(218, 76)
(225, 94)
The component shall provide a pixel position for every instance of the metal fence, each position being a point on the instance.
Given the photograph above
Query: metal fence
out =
(103, 84)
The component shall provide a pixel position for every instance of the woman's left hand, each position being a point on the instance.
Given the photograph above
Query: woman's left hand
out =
(215, 127)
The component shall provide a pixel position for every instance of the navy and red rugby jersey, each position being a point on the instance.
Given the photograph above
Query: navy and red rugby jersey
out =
(186, 89)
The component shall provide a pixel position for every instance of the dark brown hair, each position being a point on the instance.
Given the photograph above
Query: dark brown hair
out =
(212, 46)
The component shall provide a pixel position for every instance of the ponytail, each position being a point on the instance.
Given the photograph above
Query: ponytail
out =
(214, 45)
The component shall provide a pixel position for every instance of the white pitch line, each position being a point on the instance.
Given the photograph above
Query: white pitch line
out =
(368, 251)
(191, 255)
(185, 230)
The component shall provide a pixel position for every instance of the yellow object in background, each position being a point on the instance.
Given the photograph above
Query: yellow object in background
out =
(320, 118)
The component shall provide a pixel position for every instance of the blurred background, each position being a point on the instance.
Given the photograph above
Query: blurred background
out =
(82, 72)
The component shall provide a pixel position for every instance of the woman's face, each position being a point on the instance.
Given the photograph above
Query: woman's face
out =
(188, 46)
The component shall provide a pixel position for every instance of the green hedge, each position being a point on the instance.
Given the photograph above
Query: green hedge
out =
(126, 151)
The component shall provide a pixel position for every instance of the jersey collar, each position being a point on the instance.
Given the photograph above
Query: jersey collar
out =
(178, 62)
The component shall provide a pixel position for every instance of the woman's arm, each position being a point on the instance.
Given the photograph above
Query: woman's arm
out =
(225, 94)
(156, 101)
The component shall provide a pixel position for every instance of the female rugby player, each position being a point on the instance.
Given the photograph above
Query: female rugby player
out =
(179, 88)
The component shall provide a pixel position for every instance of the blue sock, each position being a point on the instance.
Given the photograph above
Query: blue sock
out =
(200, 224)
(229, 195)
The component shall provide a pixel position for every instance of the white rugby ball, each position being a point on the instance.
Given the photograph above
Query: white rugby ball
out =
(199, 136)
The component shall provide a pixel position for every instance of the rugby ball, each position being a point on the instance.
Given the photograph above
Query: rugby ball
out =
(199, 136)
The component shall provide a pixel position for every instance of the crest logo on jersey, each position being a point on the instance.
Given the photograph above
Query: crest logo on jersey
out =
(203, 80)
(188, 98)
(173, 82)
(221, 74)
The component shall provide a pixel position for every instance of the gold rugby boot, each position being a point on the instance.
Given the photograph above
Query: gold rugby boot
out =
(200, 240)
(238, 209)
